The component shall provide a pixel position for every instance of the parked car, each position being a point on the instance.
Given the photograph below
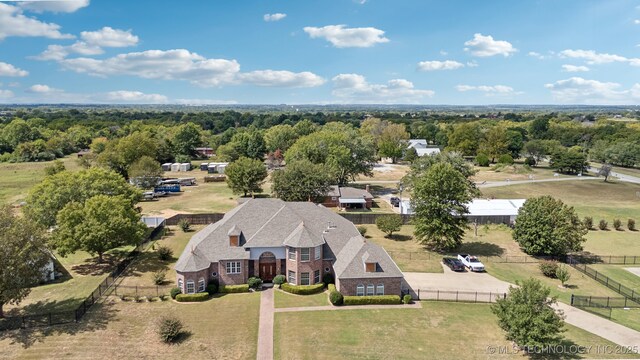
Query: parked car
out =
(471, 262)
(160, 193)
(453, 263)
(148, 195)
(395, 201)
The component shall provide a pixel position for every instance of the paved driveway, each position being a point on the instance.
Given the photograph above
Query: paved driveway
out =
(455, 281)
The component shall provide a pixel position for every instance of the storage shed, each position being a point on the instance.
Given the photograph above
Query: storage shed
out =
(175, 167)
(166, 167)
(185, 166)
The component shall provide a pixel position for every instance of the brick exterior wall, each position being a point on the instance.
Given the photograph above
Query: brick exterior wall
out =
(304, 266)
(192, 276)
(392, 286)
(233, 279)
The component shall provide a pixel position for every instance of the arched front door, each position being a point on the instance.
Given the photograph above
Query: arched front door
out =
(267, 266)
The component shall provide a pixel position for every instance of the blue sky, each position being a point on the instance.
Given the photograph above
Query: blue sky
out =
(304, 52)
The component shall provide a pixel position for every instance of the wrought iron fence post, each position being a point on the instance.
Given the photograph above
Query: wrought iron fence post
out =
(571, 299)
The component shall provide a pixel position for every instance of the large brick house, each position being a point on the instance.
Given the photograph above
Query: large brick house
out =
(301, 240)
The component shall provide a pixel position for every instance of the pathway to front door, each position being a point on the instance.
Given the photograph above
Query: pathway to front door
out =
(265, 327)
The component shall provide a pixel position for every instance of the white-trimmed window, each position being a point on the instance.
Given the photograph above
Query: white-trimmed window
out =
(316, 276)
(180, 285)
(370, 290)
(317, 252)
(292, 254)
(292, 277)
(304, 278)
(191, 287)
(233, 267)
(380, 289)
(360, 290)
(201, 285)
(304, 254)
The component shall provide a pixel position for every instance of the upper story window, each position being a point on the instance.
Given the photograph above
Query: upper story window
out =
(317, 252)
(233, 267)
(292, 254)
(304, 254)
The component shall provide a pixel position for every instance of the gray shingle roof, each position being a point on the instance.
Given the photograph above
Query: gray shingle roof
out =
(349, 192)
(302, 238)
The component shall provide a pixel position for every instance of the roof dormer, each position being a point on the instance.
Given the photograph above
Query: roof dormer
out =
(234, 236)
(370, 265)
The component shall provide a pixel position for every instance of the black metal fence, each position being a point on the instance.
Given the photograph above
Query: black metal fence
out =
(606, 259)
(69, 316)
(603, 302)
(604, 280)
(141, 291)
(456, 296)
(195, 219)
(368, 218)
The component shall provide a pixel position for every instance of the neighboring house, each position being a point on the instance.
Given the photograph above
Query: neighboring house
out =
(422, 147)
(345, 197)
(204, 151)
(494, 211)
(301, 240)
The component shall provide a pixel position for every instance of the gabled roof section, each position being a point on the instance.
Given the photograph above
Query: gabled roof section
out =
(234, 231)
(357, 251)
(301, 237)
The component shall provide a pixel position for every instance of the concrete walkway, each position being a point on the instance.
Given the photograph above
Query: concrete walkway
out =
(265, 328)
(415, 305)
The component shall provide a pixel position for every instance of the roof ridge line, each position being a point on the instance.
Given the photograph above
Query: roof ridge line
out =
(267, 222)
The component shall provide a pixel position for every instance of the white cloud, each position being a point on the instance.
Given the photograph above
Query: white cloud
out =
(574, 68)
(274, 17)
(66, 6)
(439, 65)
(443, 53)
(579, 90)
(592, 57)
(14, 23)
(109, 37)
(536, 55)
(636, 21)
(135, 97)
(472, 64)
(10, 70)
(42, 89)
(181, 64)
(342, 37)
(354, 88)
(5, 94)
(489, 90)
(485, 46)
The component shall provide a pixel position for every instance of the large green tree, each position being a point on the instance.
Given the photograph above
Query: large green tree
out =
(465, 138)
(422, 164)
(186, 139)
(393, 141)
(280, 137)
(46, 199)
(23, 255)
(527, 316)
(569, 161)
(495, 143)
(146, 172)
(98, 225)
(440, 199)
(301, 180)
(546, 226)
(119, 154)
(244, 144)
(246, 176)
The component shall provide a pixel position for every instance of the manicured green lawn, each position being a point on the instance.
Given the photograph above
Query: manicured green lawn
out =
(440, 330)
(221, 328)
(595, 198)
(202, 198)
(619, 274)
(285, 300)
(613, 242)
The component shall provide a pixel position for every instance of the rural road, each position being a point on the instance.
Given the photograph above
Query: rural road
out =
(621, 177)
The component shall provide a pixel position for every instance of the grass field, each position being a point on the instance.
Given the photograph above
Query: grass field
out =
(621, 170)
(597, 199)
(225, 327)
(514, 172)
(286, 300)
(437, 331)
(620, 274)
(613, 242)
(386, 172)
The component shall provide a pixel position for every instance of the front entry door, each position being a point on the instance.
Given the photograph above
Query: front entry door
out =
(267, 271)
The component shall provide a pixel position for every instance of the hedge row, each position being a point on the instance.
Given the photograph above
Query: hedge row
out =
(234, 288)
(372, 300)
(302, 289)
(331, 287)
(192, 297)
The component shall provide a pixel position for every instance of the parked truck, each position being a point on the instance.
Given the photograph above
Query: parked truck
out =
(471, 262)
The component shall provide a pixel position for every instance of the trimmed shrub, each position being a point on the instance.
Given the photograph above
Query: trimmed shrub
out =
(362, 230)
(482, 160)
(617, 224)
(406, 299)
(336, 298)
(212, 289)
(174, 291)
(184, 225)
(254, 283)
(164, 253)
(159, 277)
(389, 224)
(192, 297)
(228, 289)
(169, 329)
(549, 268)
(331, 287)
(505, 159)
(529, 161)
(372, 300)
(302, 289)
(588, 222)
(602, 225)
(631, 224)
(279, 279)
(328, 278)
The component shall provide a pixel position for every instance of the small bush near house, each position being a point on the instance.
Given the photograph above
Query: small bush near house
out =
(328, 278)
(279, 279)
(530, 161)
(336, 298)
(631, 224)
(549, 268)
(174, 292)
(164, 253)
(372, 300)
(602, 225)
(302, 289)
(192, 297)
(362, 230)
(159, 277)
(184, 225)
(505, 159)
(588, 222)
(331, 287)
(228, 289)
(617, 224)
(169, 329)
(254, 283)
(406, 299)
(212, 289)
